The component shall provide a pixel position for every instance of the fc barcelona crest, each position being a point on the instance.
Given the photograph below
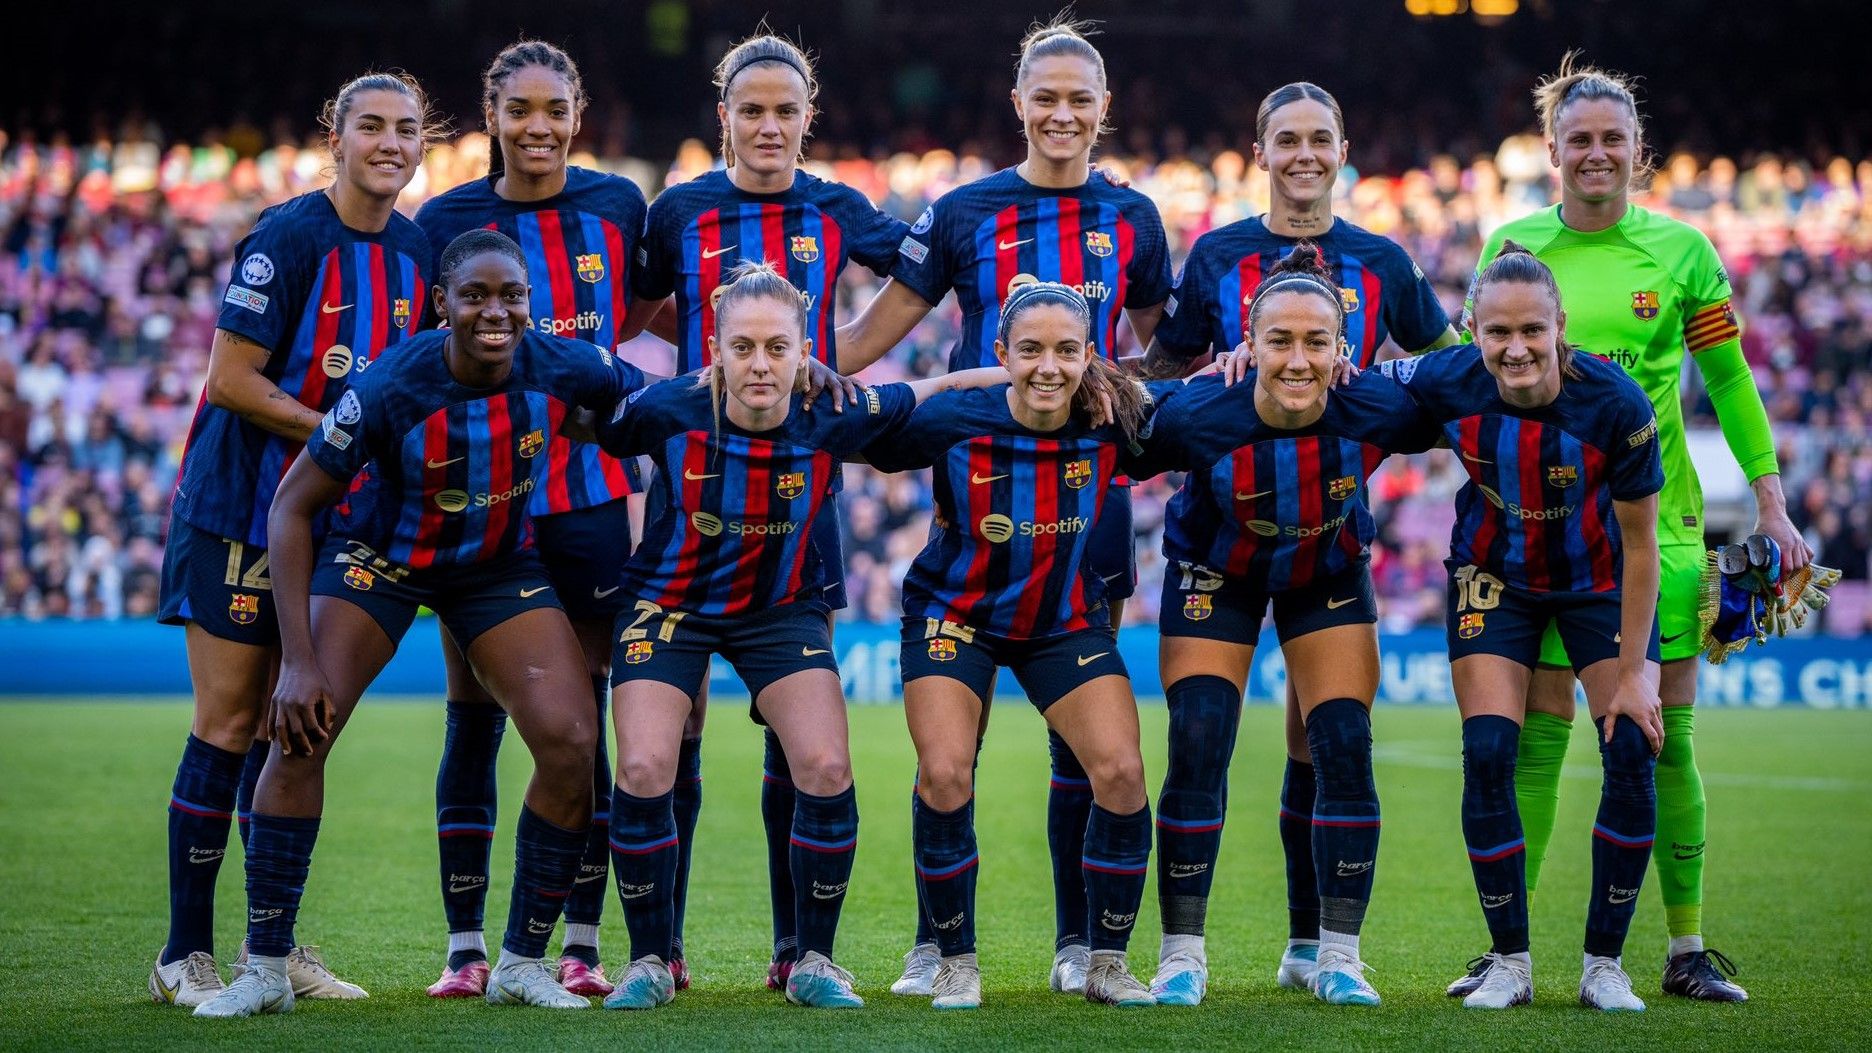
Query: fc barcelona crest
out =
(590, 267)
(638, 651)
(359, 578)
(1341, 488)
(1098, 243)
(244, 608)
(941, 650)
(400, 312)
(790, 484)
(1078, 473)
(1348, 297)
(1469, 626)
(532, 442)
(1562, 475)
(805, 248)
(1645, 304)
(1198, 605)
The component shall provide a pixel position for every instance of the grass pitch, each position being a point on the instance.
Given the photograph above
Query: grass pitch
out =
(83, 897)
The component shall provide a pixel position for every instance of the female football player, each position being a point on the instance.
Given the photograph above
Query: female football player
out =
(1049, 218)
(1556, 526)
(1643, 290)
(322, 285)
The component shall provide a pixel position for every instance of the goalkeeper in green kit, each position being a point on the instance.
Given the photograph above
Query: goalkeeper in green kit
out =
(1643, 290)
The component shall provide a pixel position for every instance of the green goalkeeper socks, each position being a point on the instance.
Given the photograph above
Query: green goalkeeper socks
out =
(1544, 740)
(1681, 821)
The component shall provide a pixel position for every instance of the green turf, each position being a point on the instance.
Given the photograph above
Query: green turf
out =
(82, 899)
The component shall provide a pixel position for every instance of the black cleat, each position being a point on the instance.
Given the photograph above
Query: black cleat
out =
(1699, 975)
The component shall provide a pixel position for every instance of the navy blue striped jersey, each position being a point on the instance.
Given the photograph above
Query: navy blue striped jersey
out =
(729, 528)
(699, 230)
(1537, 509)
(451, 467)
(1014, 512)
(578, 245)
(1384, 292)
(986, 237)
(326, 300)
(1273, 507)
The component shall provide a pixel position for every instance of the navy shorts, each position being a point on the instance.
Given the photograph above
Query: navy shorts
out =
(219, 584)
(1049, 668)
(470, 599)
(1198, 602)
(1489, 616)
(1110, 551)
(674, 647)
(584, 552)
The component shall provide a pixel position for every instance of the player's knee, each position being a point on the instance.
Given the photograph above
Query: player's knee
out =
(1627, 759)
(228, 728)
(1339, 738)
(945, 783)
(822, 770)
(1490, 744)
(1118, 780)
(645, 773)
(1203, 715)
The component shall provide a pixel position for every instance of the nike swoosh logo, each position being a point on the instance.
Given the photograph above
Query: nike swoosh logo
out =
(1618, 637)
(1333, 605)
(586, 879)
(811, 651)
(694, 478)
(1239, 496)
(827, 895)
(168, 992)
(463, 888)
(329, 309)
(1467, 456)
(1089, 659)
(535, 591)
(980, 480)
(445, 464)
(599, 594)
(635, 895)
(1621, 899)
(1006, 245)
(709, 254)
(1673, 637)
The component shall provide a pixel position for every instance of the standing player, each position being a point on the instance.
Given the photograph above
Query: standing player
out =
(1049, 218)
(1020, 475)
(1644, 290)
(759, 207)
(323, 284)
(731, 564)
(1555, 527)
(1274, 511)
(454, 431)
(578, 229)
(1300, 142)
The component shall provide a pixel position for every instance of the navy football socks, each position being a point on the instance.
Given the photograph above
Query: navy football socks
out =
(1622, 836)
(1492, 829)
(1204, 714)
(201, 808)
(643, 863)
(946, 868)
(467, 797)
(1069, 807)
(1117, 854)
(824, 842)
(1345, 813)
(546, 861)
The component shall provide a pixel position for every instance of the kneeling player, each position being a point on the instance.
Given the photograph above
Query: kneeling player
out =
(1557, 524)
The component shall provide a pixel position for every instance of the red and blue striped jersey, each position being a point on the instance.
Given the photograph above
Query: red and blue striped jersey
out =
(699, 230)
(578, 245)
(1272, 507)
(326, 300)
(1014, 512)
(1537, 509)
(1000, 231)
(729, 529)
(1385, 293)
(452, 467)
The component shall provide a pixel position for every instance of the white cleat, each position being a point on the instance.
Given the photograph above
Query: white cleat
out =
(919, 974)
(529, 981)
(818, 983)
(1108, 981)
(186, 981)
(1182, 971)
(1507, 981)
(1604, 986)
(1069, 969)
(1298, 964)
(310, 976)
(260, 989)
(958, 983)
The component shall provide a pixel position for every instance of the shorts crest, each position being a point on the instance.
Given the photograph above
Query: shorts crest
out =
(1198, 605)
(359, 578)
(244, 608)
(638, 651)
(1469, 626)
(942, 650)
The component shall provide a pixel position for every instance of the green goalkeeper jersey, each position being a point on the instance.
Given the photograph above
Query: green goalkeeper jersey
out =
(1641, 293)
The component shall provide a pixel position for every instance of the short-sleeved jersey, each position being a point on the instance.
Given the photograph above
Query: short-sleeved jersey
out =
(1384, 291)
(451, 466)
(326, 300)
(1273, 507)
(730, 523)
(699, 230)
(578, 245)
(1000, 231)
(1642, 292)
(1537, 509)
(1014, 511)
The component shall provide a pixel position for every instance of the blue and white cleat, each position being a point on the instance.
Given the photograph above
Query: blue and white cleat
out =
(262, 988)
(647, 983)
(529, 981)
(1298, 963)
(1340, 980)
(1604, 986)
(1182, 971)
(818, 983)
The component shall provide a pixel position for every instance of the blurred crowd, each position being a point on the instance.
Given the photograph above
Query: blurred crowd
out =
(115, 253)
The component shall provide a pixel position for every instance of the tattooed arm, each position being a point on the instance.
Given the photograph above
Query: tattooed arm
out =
(235, 382)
